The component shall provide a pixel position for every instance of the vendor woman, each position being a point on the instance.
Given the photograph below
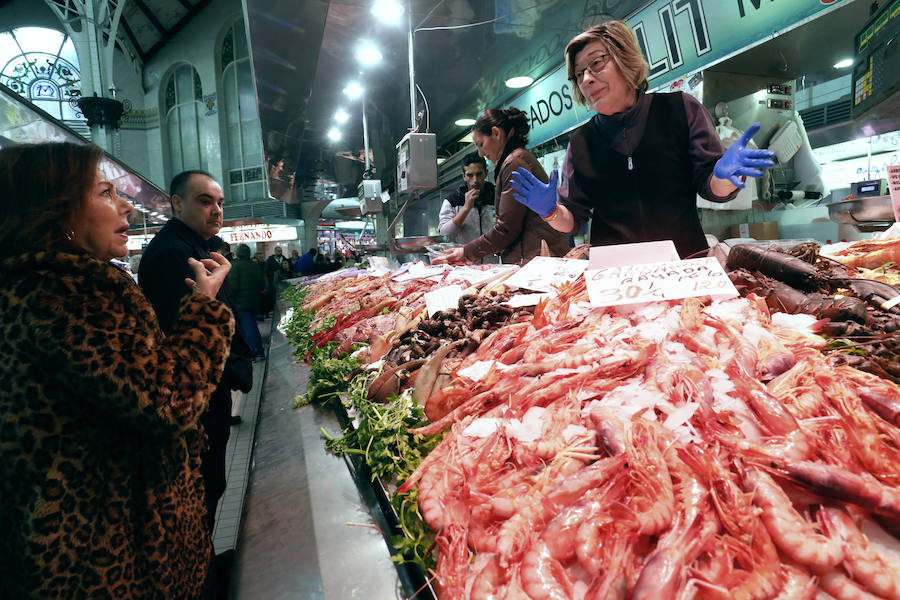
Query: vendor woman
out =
(636, 167)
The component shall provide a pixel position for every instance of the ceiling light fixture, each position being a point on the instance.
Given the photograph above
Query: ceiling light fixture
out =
(847, 62)
(367, 54)
(387, 11)
(519, 82)
(341, 116)
(353, 90)
(464, 122)
(333, 134)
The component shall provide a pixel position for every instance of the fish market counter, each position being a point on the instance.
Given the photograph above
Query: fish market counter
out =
(312, 526)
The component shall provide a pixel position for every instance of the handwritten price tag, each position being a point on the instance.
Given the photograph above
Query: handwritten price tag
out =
(542, 273)
(894, 187)
(652, 282)
(445, 298)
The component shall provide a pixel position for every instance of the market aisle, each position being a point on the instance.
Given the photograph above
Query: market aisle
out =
(309, 530)
(237, 454)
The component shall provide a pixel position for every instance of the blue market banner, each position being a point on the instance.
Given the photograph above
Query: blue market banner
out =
(678, 37)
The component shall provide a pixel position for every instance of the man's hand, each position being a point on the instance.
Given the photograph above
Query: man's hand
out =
(471, 197)
(740, 161)
(208, 274)
(468, 204)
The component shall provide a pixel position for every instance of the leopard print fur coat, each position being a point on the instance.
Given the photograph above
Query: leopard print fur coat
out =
(99, 443)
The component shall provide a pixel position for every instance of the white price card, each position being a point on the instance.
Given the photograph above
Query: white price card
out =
(419, 270)
(893, 173)
(474, 276)
(445, 298)
(620, 255)
(652, 282)
(542, 273)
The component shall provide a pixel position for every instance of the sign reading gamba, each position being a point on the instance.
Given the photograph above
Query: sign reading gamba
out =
(652, 282)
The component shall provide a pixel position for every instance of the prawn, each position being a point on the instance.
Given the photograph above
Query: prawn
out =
(834, 482)
(863, 563)
(653, 495)
(791, 532)
(664, 570)
(798, 585)
(543, 577)
(841, 587)
(490, 582)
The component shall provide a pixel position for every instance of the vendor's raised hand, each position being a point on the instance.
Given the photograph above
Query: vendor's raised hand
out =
(533, 193)
(208, 274)
(740, 161)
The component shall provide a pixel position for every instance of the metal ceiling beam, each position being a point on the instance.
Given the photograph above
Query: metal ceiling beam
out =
(134, 42)
(151, 17)
(193, 12)
(186, 4)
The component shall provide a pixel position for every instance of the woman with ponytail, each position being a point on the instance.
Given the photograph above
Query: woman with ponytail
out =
(500, 136)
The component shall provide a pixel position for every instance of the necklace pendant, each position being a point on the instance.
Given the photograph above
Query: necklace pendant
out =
(630, 164)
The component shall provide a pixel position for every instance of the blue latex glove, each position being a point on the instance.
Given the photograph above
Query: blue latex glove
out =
(533, 193)
(739, 160)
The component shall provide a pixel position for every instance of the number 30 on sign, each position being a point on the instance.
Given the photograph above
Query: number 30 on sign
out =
(658, 281)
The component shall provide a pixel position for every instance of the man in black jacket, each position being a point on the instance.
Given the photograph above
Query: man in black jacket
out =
(196, 200)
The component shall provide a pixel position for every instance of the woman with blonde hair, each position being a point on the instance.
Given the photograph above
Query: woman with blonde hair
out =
(636, 167)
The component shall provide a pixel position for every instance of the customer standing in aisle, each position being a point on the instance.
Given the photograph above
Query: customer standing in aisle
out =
(270, 269)
(501, 135)
(99, 439)
(469, 211)
(196, 200)
(637, 166)
(247, 286)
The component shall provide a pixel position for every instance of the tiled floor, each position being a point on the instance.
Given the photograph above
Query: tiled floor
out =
(237, 455)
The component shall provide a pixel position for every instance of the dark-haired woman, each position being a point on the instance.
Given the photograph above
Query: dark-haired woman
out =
(500, 135)
(99, 444)
(635, 169)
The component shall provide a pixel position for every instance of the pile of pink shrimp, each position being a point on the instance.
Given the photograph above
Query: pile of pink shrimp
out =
(678, 450)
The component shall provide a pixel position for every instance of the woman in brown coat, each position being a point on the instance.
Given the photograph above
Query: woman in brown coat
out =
(99, 445)
(500, 135)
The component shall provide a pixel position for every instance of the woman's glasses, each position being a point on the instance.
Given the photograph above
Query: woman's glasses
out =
(595, 66)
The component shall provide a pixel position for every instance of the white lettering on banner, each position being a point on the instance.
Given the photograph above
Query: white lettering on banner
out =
(658, 281)
(553, 105)
(674, 57)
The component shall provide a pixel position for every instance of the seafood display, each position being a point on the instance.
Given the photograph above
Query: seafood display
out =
(678, 449)
(859, 315)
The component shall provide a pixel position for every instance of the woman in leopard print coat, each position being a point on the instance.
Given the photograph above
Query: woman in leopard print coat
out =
(99, 445)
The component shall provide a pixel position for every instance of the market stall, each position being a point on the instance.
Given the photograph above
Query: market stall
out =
(582, 430)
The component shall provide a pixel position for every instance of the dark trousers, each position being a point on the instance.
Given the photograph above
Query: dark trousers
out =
(216, 422)
(247, 323)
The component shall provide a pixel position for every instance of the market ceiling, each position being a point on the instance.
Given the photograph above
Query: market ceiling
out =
(304, 56)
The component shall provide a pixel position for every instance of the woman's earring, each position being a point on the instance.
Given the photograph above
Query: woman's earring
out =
(70, 234)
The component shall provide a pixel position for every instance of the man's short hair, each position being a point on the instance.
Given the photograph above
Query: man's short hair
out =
(472, 157)
(179, 183)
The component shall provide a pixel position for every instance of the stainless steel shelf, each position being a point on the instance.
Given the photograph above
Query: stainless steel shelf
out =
(876, 211)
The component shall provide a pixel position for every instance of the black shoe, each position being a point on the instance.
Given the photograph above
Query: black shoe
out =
(236, 420)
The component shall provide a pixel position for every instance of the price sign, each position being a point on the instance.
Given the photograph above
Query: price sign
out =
(543, 273)
(893, 172)
(445, 298)
(652, 282)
